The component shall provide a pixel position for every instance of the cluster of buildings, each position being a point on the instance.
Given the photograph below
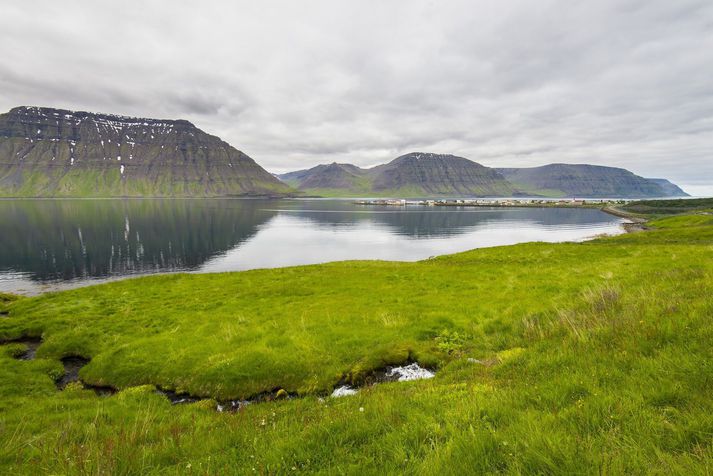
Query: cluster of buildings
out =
(494, 202)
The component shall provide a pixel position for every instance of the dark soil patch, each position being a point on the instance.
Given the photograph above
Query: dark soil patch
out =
(31, 351)
(72, 366)
(32, 344)
(634, 227)
(178, 398)
(230, 406)
(100, 390)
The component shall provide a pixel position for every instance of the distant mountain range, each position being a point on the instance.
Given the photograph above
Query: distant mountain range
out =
(431, 175)
(48, 152)
(411, 175)
(584, 180)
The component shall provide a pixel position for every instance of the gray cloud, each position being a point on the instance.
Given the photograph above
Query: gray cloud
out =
(516, 83)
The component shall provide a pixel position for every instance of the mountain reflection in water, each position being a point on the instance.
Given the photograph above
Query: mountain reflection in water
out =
(72, 242)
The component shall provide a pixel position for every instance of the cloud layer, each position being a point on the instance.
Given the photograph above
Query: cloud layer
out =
(293, 84)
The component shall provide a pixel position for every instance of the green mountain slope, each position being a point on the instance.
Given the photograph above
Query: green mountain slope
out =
(329, 179)
(671, 189)
(432, 175)
(591, 181)
(412, 175)
(439, 174)
(58, 153)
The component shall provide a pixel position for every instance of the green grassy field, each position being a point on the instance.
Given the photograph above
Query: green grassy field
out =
(668, 207)
(593, 358)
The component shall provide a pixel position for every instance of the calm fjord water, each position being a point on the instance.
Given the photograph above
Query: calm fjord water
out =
(57, 244)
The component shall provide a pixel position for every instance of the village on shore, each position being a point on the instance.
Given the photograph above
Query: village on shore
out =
(498, 202)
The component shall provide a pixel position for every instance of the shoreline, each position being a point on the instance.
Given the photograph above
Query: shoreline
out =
(38, 289)
(637, 222)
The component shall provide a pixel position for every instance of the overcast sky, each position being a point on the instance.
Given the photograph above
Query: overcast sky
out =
(625, 83)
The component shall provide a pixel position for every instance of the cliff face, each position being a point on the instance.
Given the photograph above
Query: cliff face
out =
(48, 152)
(581, 180)
(670, 189)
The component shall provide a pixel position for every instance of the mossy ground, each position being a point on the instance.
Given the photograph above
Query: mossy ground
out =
(598, 361)
(668, 207)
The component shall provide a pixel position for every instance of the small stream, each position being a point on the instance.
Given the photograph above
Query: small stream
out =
(403, 373)
(73, 365)
(32, 345)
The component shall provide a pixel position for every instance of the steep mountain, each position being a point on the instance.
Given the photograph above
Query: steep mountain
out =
(48, 152)
(411, 175)
(328, 178)
(428, 174)
(582, 180)
(671, 189)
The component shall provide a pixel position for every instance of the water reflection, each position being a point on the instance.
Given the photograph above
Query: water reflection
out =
(423, 221)
(70, 239)
(69, 242)
(295, 239)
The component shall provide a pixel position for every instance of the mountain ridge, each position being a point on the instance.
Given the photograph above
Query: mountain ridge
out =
(418, 174)
(670, 187)
(587, 180)
(409, 175)
(48, 152)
